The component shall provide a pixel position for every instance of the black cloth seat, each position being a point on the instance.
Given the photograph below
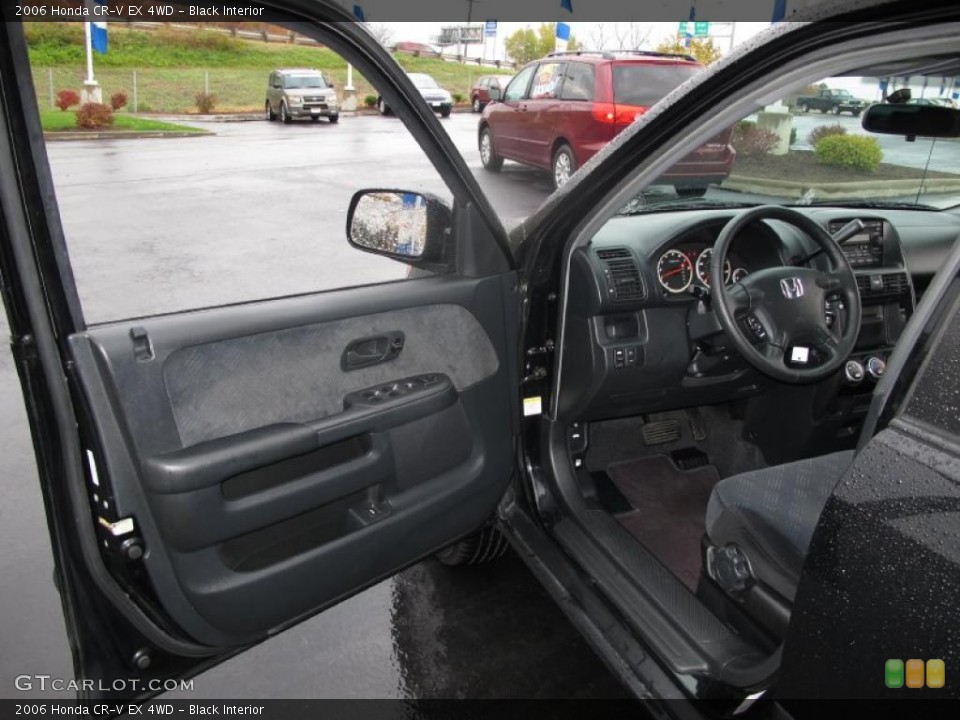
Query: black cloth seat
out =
(770, 514)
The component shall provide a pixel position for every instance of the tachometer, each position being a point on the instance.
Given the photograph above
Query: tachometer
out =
(675, 271)
(738, 275)
(703, 267)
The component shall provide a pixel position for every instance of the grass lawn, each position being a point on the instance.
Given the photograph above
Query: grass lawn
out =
(171, 66)
(58, 120)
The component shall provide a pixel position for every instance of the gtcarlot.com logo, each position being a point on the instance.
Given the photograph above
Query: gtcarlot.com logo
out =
(40, 683)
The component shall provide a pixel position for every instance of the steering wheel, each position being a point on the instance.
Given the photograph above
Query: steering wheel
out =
(775, 317)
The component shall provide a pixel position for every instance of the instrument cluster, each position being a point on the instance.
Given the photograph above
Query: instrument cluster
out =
(687, 264)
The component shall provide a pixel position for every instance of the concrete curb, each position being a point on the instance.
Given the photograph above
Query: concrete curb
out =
(826, 190)
(67, 135)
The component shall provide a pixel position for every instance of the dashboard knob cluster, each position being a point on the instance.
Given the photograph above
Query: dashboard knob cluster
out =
(855, 372)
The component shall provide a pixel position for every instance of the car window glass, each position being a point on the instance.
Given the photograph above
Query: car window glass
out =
(214, 212)
(484, 82)
(518, 86)
(578, 81)
(546, 80)
(644, 84)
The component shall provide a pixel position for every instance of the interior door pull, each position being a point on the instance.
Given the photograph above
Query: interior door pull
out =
(372, 350)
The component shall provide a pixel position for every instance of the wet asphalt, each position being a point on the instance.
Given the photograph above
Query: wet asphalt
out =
(258, 210)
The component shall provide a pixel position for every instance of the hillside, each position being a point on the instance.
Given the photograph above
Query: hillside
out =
(173, 65)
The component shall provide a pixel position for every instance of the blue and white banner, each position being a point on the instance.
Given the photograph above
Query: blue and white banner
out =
(98, 37)
(563, 37)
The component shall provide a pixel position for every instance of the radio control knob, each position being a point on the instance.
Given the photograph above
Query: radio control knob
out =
(876, 367)
(853, 372)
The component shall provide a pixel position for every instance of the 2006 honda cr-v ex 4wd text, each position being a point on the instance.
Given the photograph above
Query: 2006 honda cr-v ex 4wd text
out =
(721, 430)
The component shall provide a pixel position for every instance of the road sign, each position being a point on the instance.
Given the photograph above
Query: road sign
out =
(694, 29)
(490, 28)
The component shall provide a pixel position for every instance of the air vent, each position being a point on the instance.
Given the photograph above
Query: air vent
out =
(889, 284)
(623, 276)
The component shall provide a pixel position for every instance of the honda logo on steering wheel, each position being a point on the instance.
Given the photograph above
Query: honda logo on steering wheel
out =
(792, 288)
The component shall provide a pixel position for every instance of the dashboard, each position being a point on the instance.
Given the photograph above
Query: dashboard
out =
(638, 302)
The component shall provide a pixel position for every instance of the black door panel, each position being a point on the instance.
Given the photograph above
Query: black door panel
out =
(264, 479)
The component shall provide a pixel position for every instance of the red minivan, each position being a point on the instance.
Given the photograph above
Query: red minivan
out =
(558, 112)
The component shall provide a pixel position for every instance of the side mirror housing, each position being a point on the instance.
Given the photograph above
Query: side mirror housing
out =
(414, 228)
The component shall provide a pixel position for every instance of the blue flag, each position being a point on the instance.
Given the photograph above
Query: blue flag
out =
(358, 13)
(779, 11)
(98, 37)
(566, 5)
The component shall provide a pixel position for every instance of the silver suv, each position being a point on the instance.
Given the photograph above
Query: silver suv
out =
(300, 93)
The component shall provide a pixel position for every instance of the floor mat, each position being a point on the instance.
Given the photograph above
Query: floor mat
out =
(670, 508)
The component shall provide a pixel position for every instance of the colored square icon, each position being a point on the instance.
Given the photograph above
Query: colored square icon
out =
(915, 673)
(936, 673)
(893, 673)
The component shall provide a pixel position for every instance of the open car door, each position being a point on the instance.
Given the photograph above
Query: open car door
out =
(213, 476)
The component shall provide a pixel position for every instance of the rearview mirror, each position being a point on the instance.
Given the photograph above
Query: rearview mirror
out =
(912, 120)
(407, 226)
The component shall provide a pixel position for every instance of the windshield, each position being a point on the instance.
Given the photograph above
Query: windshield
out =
(423, 82)
(793, 152)
(297, 82)
(643, 84)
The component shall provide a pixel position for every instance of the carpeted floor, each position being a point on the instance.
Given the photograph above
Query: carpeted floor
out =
(670, 505)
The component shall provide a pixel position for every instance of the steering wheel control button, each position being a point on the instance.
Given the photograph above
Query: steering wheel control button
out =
(756, 327)
(875, 367)
(853, 372)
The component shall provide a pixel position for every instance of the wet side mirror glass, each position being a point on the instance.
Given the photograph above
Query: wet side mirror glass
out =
(407, 226)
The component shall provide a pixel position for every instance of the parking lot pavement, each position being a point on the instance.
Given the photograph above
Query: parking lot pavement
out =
(258, 210)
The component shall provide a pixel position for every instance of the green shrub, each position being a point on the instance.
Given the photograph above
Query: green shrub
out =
(92, 116)
(204, 102)
(458, 98)
(370, 100)
(856, 152)
(822, 131)
(750, 140)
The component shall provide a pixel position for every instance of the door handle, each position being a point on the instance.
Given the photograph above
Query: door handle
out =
(368, 351)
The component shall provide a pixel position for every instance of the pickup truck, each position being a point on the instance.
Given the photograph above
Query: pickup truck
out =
(830, 100)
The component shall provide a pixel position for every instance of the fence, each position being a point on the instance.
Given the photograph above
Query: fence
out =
(174, 90)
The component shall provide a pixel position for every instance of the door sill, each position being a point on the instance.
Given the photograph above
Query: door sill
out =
(704, 655)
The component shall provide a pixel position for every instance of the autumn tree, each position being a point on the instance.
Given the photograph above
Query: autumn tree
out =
(703, 49)
(528, 44)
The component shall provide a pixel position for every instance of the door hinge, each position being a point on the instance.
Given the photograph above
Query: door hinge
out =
(547, 348)
(537, 373)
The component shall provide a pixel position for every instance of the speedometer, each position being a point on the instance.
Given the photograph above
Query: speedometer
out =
(675, 271)
(703, 267)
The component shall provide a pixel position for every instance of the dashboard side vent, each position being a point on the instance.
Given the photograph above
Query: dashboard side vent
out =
(890, 284)
(622, 274)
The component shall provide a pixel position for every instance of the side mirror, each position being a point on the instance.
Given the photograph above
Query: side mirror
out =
(413, 228)
(331, 85)
(495, 94)
(912, 120)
